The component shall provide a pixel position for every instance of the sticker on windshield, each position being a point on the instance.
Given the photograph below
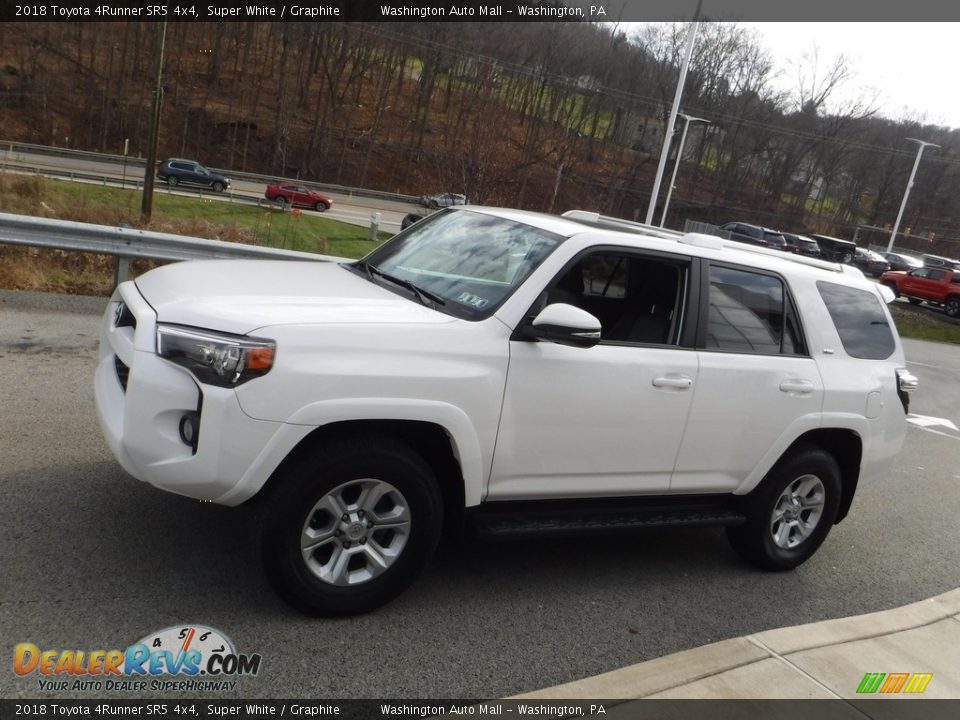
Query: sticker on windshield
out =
(473, 300)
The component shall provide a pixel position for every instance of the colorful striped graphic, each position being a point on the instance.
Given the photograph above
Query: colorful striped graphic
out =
(892, 683)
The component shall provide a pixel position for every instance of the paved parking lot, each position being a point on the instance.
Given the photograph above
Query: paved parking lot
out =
(92, 559)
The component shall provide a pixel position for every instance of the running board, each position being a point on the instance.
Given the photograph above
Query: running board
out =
(509, 519)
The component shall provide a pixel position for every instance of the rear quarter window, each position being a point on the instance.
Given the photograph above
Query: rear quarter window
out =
(860, 320)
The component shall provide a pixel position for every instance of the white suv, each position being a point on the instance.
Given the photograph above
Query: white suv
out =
(511, 372)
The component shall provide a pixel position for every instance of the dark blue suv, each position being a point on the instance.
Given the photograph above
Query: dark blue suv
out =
(176, 171)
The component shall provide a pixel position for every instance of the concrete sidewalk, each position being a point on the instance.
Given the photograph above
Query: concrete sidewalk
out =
(825, 660)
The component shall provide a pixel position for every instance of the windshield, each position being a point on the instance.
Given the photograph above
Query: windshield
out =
(470, 260)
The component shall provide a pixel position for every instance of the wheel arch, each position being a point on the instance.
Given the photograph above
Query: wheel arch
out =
(846, 447)
(429, 440)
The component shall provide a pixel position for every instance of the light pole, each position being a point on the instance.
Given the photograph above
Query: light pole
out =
(906, 193)
(668, 133)
(687, 119)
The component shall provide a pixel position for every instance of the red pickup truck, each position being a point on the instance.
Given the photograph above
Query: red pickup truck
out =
(940, 286)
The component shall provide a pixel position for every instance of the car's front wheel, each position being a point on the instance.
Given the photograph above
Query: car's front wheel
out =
(350, 525)
(320, 207)
(790, 512)
(218, 186)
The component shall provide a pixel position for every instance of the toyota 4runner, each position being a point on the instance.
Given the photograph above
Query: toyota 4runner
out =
(510, 372)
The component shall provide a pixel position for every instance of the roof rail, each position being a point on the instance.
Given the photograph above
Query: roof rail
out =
(598, 220)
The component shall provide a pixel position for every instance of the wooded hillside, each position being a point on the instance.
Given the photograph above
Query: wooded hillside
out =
(546, 116)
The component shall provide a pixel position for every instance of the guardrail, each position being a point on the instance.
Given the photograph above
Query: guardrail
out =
(9, 148)
(128, 243)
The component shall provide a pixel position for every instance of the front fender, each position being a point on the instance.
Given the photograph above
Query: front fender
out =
(473, 456)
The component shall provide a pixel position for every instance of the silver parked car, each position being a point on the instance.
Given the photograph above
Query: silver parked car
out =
(442, 200)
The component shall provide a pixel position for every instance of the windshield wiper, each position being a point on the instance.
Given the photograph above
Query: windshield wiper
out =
(367, 267)
(424, 296)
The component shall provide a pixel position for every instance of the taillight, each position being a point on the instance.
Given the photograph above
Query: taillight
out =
(907, 382)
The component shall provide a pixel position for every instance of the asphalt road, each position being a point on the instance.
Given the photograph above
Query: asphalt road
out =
(92, 559)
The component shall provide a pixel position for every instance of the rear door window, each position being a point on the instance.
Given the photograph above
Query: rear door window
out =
(860, 321)
(751, 312)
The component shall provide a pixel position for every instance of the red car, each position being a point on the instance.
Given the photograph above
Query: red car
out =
(298, 195)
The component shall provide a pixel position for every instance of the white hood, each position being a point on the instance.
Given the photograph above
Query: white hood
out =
(239, 296)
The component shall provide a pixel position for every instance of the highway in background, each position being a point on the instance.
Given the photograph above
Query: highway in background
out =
(350, 208)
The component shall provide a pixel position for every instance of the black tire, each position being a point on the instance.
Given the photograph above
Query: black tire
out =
(409, 219)
(341, 469)
(847, 258)
(893, 286)
(766, 509)
(218, 186)
(952, 306)
(320, 207)
(172, 181)
(915, 301)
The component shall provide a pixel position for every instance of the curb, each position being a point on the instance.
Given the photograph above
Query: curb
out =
(826, 659)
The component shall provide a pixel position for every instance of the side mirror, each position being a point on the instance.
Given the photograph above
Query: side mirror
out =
(565, 325)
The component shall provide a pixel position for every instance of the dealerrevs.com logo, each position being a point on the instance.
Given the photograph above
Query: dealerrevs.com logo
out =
(201, 657)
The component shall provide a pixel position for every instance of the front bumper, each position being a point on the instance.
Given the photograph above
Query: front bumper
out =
(141, 399)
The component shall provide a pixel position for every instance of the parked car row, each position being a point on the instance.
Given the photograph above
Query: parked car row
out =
(826, 247)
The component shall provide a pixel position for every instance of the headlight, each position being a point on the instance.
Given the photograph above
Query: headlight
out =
(216, 358)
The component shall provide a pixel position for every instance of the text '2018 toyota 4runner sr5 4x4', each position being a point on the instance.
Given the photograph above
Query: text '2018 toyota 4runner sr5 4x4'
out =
(511, 372)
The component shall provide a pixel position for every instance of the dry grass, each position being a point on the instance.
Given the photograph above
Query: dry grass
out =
(26, 268)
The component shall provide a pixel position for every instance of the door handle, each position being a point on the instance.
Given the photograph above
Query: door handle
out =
(680, 382)
(797, 387)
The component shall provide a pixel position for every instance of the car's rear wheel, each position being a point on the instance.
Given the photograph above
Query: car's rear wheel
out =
(790, 512)
(218, 186)
(350, 525)
(172, 181)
